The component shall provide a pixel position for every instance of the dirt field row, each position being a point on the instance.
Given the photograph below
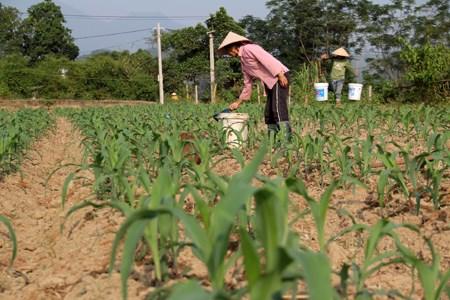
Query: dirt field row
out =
(50, 264)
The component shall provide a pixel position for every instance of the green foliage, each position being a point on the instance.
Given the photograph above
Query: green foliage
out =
(17, 131)
(389, 28)
(115, 75)
(188, 59)
(299, 31)
(221, 23)
(427, 71)
(10, 31)
(13, 67)
(45, 33)
(189, 56)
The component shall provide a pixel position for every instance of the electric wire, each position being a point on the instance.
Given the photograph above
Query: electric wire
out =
(123, 17)
(111, 34)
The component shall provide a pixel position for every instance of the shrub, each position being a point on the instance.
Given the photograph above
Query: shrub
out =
(427, 73)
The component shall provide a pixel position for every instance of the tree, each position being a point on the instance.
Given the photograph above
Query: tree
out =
(228, 71)
(391, 25)
(10, 31)
(221, 23)
(187, 56)
(258, 30)
(45, 33)
(299, 31)
(187, 53)
(433, 23)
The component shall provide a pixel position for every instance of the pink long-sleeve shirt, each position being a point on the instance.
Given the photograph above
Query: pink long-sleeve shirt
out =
(258, 63)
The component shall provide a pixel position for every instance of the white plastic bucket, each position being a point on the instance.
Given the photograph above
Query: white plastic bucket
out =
(235, 126)
(321, 91)
(354, 91)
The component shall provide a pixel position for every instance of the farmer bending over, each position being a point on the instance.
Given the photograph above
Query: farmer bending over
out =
(256, 63)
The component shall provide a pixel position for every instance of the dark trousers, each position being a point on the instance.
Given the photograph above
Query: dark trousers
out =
(276, 110)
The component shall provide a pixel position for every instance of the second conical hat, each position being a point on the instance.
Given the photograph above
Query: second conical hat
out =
(232, 38)
(341, 52)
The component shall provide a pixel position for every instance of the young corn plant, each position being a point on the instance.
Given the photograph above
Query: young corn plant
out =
(435, 284)
(209, 243)
(319, 209)
(282, 263)
(362, 151)
(393, 172)
(374, 260)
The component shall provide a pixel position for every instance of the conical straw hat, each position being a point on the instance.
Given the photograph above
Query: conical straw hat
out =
(341, 52)
(231, 38)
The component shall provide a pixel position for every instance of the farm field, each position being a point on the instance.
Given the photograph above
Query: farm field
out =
(357, 205)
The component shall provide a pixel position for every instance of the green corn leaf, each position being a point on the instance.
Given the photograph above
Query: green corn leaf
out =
(198, 235)
(224, 214)
(12, 236)
(201, 206)
(317, 272)
(252, 266)
(160, 188)
(141, 218)
(220, 183)
(269, 226)
(381, 186)
(444, 285)
(134, 234)
(190, 290)
(67, 181)
(267, 288)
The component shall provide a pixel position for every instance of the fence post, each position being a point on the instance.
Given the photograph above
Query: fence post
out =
(196, 94)
(187, 91)
(289, 96)
(258, 92)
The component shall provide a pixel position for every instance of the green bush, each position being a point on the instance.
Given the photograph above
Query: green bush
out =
(115, 75)
(16, 78)
(427, 73)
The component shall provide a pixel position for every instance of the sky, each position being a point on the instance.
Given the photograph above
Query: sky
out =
(188, 13)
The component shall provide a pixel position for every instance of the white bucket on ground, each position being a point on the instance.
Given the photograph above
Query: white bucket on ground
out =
(354, 91)
(236, 128)
(321, 91)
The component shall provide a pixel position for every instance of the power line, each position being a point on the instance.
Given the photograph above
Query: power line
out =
(122, 17)
(111, 34)
(136, 17)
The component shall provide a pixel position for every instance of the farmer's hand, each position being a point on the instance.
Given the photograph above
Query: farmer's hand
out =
(283, 80)
(235, 105)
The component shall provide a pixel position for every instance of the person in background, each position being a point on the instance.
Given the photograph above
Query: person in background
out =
(341, 65)
(174, 96)
(257, 63)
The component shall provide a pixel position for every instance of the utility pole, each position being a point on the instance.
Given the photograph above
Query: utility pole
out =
(211, 63)
(160, 74)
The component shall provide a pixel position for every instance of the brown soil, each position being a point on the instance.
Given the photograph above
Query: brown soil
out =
(51, 264)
